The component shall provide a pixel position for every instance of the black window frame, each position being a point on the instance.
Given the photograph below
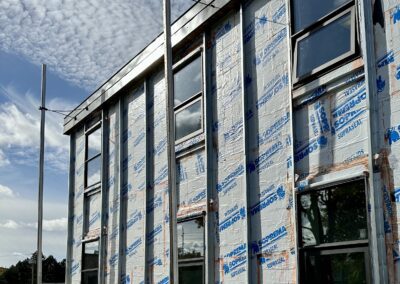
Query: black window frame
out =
(332, 248)
(185, 61)
(88, 132)
(90, 127)
(349, 7)
(89, 270)
(195, 261)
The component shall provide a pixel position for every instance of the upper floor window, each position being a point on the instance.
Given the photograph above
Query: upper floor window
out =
(324, 35)
(188, 99)
(93, 157)
(92, 196)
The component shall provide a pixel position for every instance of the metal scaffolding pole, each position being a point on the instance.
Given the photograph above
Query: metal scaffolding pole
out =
(42, 109)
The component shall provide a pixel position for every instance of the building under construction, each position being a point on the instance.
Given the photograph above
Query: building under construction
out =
(283, 165)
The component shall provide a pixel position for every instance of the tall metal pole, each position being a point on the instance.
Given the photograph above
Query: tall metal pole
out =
(42, 109)
(173, 275)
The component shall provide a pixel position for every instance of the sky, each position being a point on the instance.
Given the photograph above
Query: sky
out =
(83, 43)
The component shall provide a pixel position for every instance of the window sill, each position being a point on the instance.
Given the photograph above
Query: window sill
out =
(362, 243)
(190, 142)
(92, 235)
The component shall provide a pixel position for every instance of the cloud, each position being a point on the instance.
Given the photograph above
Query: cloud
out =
(55, 225)
(3, 159)
(20, 131)
(18, 223)
(6, 191)
(59, 225)
(10, 224)
(84, 42)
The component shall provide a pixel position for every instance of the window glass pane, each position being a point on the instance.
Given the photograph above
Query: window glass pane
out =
(306, 12)
(191, 274)
(90, 255)
(92, 212)
(335, 268)
(90, 277)
(93, 171)
(334, 215)
(324, 45)
(187, 81)
(188, 120)
(191, 239)
(94, 143)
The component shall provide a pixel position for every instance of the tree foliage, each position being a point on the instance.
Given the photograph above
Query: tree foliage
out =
(21, 273)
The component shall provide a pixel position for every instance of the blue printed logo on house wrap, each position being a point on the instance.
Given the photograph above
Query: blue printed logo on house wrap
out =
(266, 201)
(263, 161)
(268, 240)
(232, 219)
(132, 248)
(230, 181)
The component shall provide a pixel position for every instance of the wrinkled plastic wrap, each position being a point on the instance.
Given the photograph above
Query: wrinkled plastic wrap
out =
(157, 239)
(272, 243)
(387, 52)
(113, 194)
(336, 136)
(134, 186)
(254, 234)
(231, 227)
(191, 183)
(77, 217)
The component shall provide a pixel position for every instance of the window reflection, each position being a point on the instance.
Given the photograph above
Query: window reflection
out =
(324, 45)
(93, 171)
(191, 239)
(191, 274)
(188, 120)
(187, 81)
(307, 12)
(91, 255)
(329, 267)
(334, 215)
(94, 143)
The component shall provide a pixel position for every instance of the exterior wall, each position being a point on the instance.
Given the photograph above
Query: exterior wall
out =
(77, 199)
(268, 114)
(387, 48)
(113, 194)
(134, 186)
(267, 142)
(231, 225)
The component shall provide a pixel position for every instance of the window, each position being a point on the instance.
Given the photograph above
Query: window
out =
(92, 196)
(93, 157)
(191, 251)
(333, 234)
(188, 99)
(323, 35)
(90, 262)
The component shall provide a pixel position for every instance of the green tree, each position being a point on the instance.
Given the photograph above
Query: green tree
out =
(21, 273)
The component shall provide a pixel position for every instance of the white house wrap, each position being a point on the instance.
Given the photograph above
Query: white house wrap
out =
(281, 174)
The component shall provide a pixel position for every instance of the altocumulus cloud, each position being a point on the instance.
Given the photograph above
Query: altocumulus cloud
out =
(85, 42)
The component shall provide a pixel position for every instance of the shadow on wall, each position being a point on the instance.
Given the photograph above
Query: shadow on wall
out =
(387, 134)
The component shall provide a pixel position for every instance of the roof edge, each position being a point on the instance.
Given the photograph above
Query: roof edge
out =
(193, 18)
